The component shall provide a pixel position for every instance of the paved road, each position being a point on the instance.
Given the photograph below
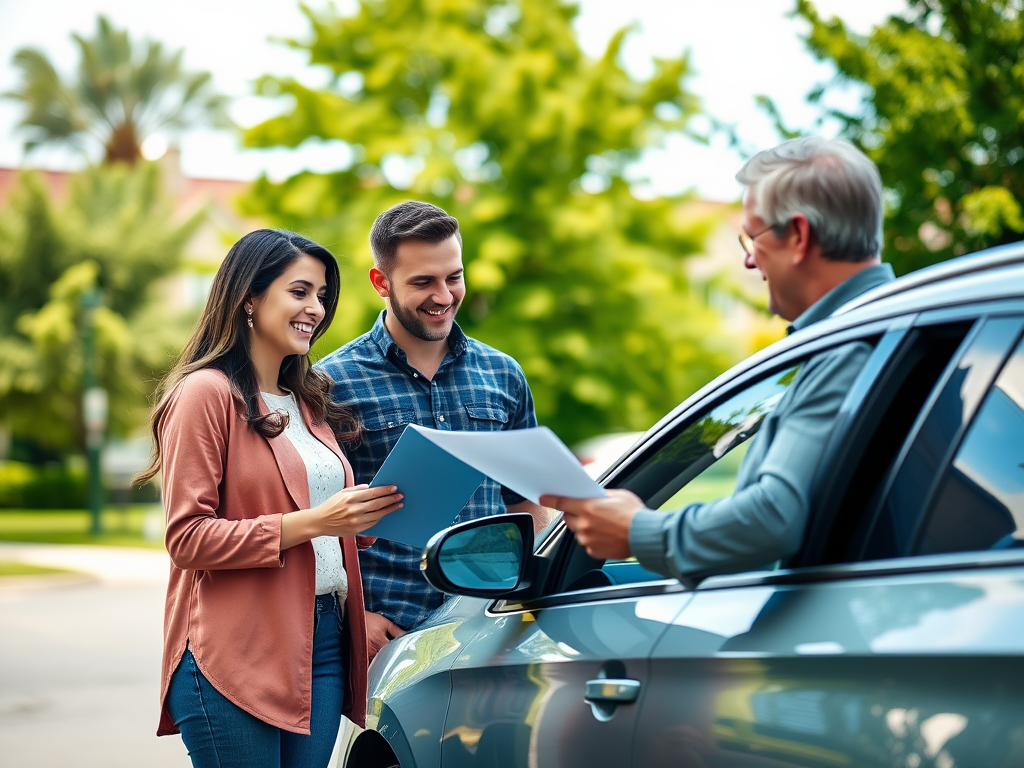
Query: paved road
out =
(79, 661)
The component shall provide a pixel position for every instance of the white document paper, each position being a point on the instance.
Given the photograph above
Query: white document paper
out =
(531, 462)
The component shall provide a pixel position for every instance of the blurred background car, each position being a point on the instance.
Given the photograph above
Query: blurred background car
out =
(598, 453)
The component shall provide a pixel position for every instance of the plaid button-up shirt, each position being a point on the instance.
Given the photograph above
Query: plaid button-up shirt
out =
(475, 388)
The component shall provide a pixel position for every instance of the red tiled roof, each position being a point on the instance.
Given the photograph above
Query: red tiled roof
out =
(57, 181)
(193, 192)
(225, 192)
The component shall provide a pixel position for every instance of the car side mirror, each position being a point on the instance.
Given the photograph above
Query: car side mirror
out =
(488, 557)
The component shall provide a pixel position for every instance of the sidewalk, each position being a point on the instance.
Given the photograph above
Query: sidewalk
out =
(80, 660)
(108, 564)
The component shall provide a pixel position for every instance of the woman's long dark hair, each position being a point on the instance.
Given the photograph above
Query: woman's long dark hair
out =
(221, 339)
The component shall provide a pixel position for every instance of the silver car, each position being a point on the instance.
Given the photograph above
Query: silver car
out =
(894, 638)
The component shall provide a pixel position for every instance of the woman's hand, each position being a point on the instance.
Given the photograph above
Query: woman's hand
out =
(348, 512)
(353, 510)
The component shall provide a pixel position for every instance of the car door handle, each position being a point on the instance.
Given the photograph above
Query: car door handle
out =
(621, 691)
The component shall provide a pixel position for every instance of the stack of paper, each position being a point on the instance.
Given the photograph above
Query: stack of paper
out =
(438, 471)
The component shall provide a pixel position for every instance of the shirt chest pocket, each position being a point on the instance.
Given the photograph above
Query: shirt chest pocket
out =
(391, 419)
(486, 417)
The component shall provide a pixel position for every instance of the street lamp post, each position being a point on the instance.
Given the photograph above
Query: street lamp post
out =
(94, 408)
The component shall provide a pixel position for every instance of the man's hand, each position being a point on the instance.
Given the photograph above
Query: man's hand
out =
(379, 631)
(601, 525)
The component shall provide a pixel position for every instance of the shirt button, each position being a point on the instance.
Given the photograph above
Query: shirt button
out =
(391, 423)
(440, 418)
(415, 375)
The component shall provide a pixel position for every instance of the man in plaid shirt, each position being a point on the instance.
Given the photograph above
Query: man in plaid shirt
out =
(417, 366)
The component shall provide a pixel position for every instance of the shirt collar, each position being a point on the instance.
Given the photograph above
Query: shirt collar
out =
(381, 337)
(846, 291)
(384, 341)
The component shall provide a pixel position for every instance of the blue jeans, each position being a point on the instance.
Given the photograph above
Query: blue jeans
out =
(219, 734)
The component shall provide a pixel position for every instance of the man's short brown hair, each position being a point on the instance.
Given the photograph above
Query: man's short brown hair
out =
(411, 220)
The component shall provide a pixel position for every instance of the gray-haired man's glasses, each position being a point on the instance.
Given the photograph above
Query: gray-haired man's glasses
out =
(747, 241)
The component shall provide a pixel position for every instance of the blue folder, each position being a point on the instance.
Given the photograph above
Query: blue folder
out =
(436, 486)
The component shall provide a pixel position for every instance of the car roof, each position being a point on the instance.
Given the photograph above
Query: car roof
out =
(989, 275)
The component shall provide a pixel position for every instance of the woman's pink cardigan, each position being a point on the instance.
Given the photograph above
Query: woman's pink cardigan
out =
(242, 606)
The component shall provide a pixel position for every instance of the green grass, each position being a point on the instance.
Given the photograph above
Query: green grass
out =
(10, 568)
(122, 527)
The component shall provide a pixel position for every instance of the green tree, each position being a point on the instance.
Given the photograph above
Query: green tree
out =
(942, 115)
(489, 109)
(121, 93)
(114, 231)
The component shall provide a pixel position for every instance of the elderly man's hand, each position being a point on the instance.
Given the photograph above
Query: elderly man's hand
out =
(601, 525)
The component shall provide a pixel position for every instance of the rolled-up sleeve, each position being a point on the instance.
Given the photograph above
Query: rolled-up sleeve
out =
(193, 435)
(765, 520)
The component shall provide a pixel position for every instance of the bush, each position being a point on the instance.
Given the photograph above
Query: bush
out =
(27, 486)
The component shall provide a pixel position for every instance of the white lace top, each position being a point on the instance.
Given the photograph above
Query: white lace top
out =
(326, 477)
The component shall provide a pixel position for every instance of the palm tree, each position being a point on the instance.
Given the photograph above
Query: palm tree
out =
(121, 94)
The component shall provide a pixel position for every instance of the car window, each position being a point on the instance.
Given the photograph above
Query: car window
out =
(939, 427)
(700, 463)
(979, 504)
(716, 481)
(846, 499)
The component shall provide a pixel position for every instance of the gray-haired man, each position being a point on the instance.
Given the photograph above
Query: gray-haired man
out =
(812, 225)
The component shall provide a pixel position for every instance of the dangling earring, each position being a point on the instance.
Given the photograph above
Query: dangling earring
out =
(248, 320)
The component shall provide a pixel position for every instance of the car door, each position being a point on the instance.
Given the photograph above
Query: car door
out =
(518, 689)
(898, 640)
(530, 689)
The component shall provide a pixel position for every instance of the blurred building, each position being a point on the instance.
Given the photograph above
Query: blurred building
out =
(221, 227)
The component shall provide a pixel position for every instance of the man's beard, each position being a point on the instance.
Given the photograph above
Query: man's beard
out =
(413, 324)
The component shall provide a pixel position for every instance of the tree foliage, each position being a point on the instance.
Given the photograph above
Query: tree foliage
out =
(121, 93)
(490, 110)
(943, 116)
(115, 232)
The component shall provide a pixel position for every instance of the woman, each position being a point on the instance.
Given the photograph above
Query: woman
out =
(264, 634)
